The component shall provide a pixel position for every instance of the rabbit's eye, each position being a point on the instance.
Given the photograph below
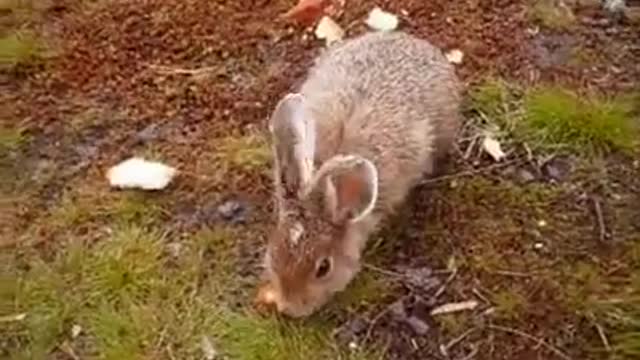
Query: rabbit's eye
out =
(323, 268)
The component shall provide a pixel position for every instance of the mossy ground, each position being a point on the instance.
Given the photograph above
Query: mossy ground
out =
(90, 272)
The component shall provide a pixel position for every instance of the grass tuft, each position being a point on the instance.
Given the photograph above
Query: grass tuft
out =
(491, 97)
(135, 299)
(248, 337)
(125, 268)
(551, 118)
(559, 117)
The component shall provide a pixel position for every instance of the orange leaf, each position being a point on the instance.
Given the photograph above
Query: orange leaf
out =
(307, 11)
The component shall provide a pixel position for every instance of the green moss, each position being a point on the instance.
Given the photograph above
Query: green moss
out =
(11, 139)
(126, 268)
(215, 248)
(453, 324)
(560, 118)
(551, 118)
(583, 57)
(365, 291)
(509, 304)
(484, 194)
(20, 48)
(247, 153)
(89, 206)
(552, 14)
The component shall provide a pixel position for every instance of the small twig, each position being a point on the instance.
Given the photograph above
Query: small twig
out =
(471, 354)
(477, 293)
(511, 273)
(532, 338)
(457, 340)
(380, 315)
(182, 71)
(398, 274)
(471, 172)
(601, 224)
(601, 334)
(444, 286)
(66, 348)
(470, 147)
(170, 352)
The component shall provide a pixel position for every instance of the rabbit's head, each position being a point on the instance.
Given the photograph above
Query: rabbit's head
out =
(314, 248)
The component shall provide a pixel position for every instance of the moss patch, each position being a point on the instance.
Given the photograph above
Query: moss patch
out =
(562, 118)
(549, 118)
(20, 48)
(553, 14)
(246, 153)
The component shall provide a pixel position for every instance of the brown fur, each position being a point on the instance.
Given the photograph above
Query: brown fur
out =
(388, 98)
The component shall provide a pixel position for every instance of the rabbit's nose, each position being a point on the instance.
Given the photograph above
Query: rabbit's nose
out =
(267, 300)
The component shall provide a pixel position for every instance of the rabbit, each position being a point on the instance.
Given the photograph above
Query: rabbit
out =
(373, 116)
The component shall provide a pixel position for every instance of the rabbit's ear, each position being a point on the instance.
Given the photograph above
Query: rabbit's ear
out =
(351, 187)
(293, 132)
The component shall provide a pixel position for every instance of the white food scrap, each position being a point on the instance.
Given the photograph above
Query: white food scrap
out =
(381, 20)
(455, 56)
(492, 147)
(328, 30)
(140, 173)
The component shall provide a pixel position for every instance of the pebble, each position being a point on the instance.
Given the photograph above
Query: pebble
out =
(418, 325)
(233, 211)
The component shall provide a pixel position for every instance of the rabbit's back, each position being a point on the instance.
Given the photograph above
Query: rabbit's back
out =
(387, 96)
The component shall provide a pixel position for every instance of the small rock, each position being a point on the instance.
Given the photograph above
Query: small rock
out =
(422, 278)
(149, 133)
(614, 6)
(397, 311)
(349, 331)
(233, 211)
(525, 175)
(358, 325)
(418, 325)
(174, 249)
(209, 351)
(557, 169)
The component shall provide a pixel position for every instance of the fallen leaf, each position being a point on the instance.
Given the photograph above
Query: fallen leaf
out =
(329, 30)
(307, 11)
(455, 56)
(140, 173)
(75, 330)
(493, 148)
(381, 20)
(454, 307)
(209, 351)
(12, 318)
